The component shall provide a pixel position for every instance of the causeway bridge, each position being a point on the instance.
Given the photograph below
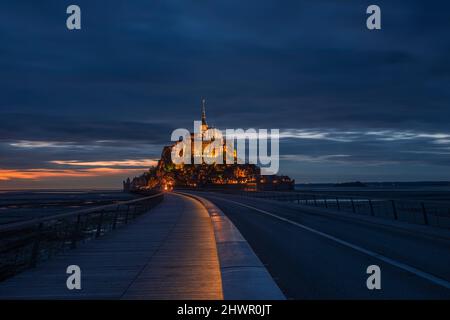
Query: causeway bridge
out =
(216, 245)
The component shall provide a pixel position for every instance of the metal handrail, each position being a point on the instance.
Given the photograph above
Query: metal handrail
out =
(348, 196)
(408, 210)
(25, 244)
(426, 212)
(24, 224)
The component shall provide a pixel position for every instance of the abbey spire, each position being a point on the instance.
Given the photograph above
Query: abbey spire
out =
(204, 124)
(203, 111)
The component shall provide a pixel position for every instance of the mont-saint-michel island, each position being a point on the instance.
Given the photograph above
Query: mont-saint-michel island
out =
(204, 174)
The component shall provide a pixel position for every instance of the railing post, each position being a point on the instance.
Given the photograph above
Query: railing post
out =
(35, 249)
(115, 217)
(353, 205)
(338, 205)
(298, 199)
(326, 204)
(135, 210)
(371, 207)
(315, 200)
(424, 212)
(99, 226)
(394, 210)
(75, 233)
(126, 215)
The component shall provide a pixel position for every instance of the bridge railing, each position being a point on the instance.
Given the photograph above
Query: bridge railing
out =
(433, 213)
(25, 244)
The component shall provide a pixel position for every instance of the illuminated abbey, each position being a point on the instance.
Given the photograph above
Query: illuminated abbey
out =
(203, 170)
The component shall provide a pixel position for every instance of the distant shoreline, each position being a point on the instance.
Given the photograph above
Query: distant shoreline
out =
(381, 184)
(373, 184)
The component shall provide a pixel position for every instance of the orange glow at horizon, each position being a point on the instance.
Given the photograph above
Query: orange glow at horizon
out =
(39, 174)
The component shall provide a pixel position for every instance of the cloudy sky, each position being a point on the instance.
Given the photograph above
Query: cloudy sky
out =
(88, 108)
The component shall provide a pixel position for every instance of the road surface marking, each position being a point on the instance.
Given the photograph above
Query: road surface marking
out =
(417, 272)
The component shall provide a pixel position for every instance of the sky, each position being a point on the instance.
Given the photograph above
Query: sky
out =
(87, 108)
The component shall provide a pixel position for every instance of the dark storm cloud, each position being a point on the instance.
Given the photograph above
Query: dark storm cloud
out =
(70, 129)
(138, 69)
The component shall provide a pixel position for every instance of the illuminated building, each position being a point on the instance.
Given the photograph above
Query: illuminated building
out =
(167, 175)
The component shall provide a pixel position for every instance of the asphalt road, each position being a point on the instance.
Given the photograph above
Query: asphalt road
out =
(314, 256)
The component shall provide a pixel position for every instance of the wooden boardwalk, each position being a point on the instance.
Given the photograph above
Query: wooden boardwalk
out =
(168, 253)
